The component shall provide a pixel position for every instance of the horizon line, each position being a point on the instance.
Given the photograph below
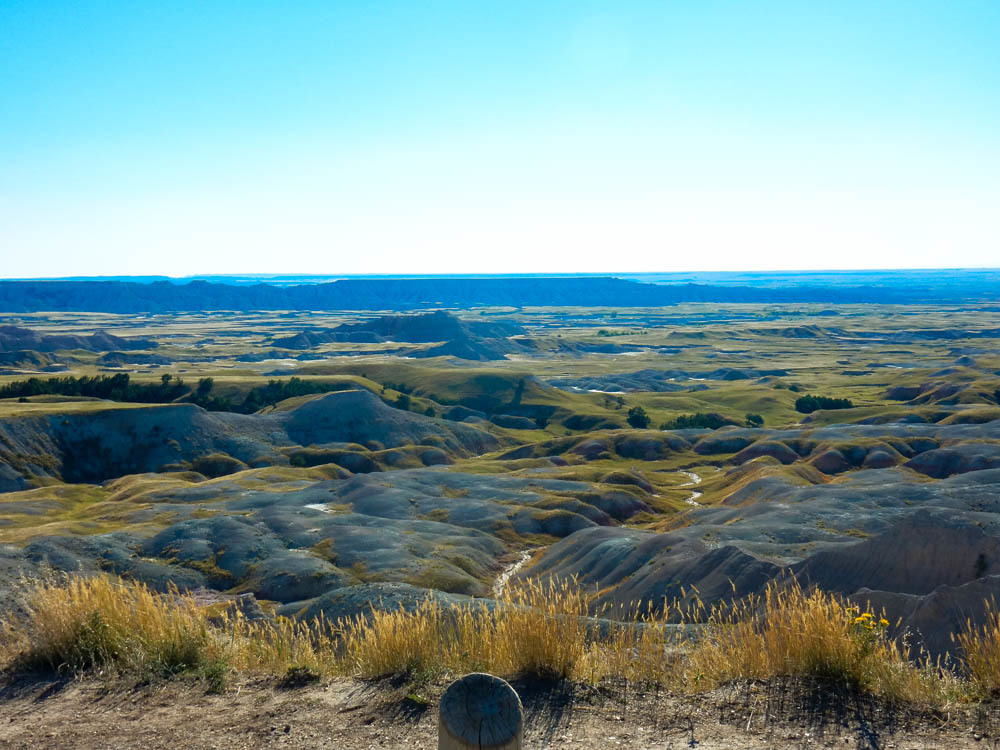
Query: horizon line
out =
(263, 276)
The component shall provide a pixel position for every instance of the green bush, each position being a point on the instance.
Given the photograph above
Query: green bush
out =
(810, 403)
(693, 421)
(638, 418)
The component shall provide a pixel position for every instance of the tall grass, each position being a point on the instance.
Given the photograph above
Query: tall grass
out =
(542, 629)
(97, 623)
(980, 647)
(789, 632)
(538, 629)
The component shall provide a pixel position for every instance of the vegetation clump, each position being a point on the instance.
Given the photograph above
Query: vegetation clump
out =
(279, 390)
(116, 387)
(638, 418)
(981, 648)
(545, 629)
(696, 421)
(119, 387)
(82, 624)
(790, 632)
(810, 403)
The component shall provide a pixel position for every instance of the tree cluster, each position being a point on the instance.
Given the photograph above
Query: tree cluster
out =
(810, 403)
(692, 421)
(116, 387)
(120, 387)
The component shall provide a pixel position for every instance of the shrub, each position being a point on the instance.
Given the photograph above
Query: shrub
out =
(754, 420)
(699, 420)
(810, 403)
(638, 418)
(99, 623)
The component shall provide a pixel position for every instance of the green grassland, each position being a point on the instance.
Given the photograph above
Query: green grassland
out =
(855, 352)
(559, 512)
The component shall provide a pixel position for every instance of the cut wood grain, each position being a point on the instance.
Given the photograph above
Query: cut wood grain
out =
(480, 711)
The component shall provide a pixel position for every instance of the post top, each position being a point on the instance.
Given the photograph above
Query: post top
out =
(482, 710)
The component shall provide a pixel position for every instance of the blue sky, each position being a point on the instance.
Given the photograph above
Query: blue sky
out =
(446, 137)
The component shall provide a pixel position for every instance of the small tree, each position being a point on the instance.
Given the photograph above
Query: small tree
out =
(754, 420)
(638, 418)
(205, 386)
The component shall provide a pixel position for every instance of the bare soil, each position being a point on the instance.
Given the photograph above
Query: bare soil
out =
(351, 715)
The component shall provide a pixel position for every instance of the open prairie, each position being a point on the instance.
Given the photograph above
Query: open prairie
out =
(668, 463)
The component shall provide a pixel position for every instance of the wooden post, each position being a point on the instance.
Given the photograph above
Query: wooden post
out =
(480, 711)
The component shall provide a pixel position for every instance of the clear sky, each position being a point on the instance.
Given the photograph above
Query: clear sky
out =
(447, 137)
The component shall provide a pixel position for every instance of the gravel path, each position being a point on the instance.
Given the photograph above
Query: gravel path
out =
(349, 715)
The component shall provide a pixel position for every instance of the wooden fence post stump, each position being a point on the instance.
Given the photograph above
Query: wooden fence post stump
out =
(480, 711)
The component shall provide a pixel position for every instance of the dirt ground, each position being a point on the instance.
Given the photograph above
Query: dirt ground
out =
(349, 715)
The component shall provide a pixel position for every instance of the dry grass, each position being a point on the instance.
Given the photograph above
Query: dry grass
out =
(789, 632)
(80, 624)
(981, 651)
(116, 627)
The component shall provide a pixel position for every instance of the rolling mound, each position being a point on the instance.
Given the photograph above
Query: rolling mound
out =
(905, 542)
(915, 556)
(290, 536)
(644, 445)
(658, 381)
(112, 440)
(15, 338)
(25, 359)
(473, 340)
(430, 327)
(635, 570)
(359, 416)
(108, 440)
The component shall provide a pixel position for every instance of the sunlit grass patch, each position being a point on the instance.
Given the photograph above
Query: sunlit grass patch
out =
(791, 632)
(980, 647)
(541, 629)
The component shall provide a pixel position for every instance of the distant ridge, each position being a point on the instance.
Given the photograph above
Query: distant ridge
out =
(418, 293)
